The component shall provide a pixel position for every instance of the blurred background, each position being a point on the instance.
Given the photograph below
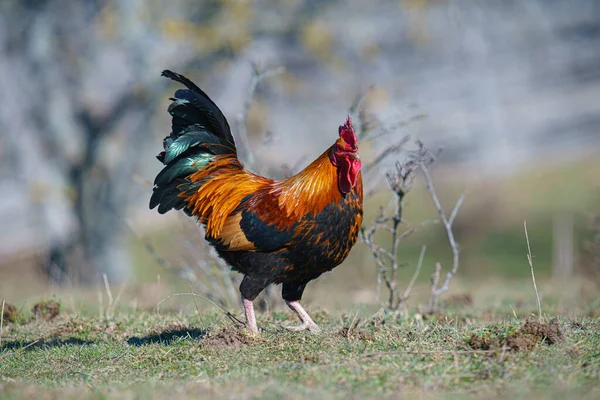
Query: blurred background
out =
(510, 89)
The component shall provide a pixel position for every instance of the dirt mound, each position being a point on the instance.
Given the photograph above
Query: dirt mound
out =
(11, 314)
(355, 334)
(550, 332)
(523, 339)
(228, 338)
(46, 310)
(482, 342)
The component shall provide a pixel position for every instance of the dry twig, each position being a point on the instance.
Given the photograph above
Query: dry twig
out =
(416, 274)
(2, 320)
(109, 295)
(537, 295)
(423, 157)
(400, 182)
(384, 154)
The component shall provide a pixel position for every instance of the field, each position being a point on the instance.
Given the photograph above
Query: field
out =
(143, 341)
(479, 345)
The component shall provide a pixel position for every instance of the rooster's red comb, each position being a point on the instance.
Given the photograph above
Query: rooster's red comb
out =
(347, 134)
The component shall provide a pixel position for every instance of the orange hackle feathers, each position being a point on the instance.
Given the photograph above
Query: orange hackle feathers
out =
(309, 191)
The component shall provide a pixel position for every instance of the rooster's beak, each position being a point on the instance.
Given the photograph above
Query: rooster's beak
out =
(355, 156)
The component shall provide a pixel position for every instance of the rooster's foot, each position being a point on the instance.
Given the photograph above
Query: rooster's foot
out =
(311, 327)
(307, 323)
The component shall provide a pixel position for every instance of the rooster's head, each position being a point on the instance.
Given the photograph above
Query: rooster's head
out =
(344, 156)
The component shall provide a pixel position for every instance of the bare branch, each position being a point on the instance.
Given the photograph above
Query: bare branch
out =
(459, 203)
(400, 182)
(423, 164)
(416, 274)
(378, 249)
(384, 154)
(431, 188)
(384, 131)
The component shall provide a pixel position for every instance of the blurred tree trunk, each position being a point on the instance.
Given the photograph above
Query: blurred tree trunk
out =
(76, 139)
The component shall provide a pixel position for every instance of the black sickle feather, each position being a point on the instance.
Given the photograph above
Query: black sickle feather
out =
(199, 98)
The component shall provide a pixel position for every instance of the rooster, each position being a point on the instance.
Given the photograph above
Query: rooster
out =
(286, 232)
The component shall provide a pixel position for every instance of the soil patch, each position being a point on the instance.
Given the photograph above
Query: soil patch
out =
(228, 338)
(549, 333)
(46, 310)
(523, 339)
(11, 314)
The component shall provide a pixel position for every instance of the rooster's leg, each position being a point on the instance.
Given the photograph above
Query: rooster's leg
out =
(250, 318)
(250, 288)
(307, 323)
(292, 293)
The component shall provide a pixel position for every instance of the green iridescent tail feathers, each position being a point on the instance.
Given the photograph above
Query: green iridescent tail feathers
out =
(199, 132)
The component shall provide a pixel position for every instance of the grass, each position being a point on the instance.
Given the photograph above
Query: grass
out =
(148, 355)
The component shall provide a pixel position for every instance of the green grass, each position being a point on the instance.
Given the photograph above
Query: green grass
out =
(145, 355)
